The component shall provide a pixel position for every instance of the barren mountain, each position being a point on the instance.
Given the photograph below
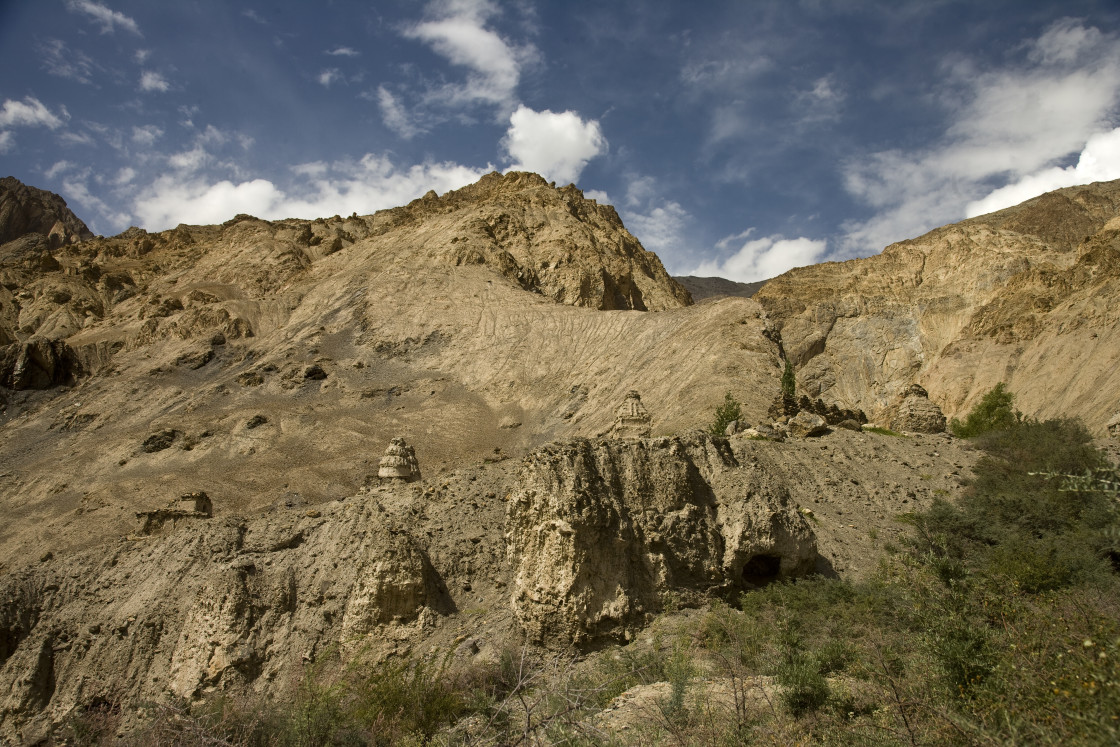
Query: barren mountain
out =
(1026, 296)
(498, 329)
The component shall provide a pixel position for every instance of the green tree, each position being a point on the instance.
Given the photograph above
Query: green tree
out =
(994, 412)
(725, 414)
(789, 383)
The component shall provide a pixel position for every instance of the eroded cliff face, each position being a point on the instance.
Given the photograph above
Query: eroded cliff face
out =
(598, 532)
(1025, 296)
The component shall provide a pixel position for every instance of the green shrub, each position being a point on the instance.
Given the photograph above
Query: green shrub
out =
(883, 431)
(993, 412)
(804, 688)
(726, 413)
(789, 382)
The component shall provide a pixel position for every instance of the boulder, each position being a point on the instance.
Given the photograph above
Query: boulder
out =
(806, 424)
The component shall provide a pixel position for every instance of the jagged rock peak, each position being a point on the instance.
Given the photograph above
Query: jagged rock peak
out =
(549, 240)
(25, 210)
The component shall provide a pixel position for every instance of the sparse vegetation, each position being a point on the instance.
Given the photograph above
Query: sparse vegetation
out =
(883, 431)
(789, 381)
(997, 621)
(726, 413)
(994, 412)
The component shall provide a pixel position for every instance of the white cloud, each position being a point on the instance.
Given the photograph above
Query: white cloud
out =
(125, 176)
(76, 138)
(598, 195)
(661, 229)
(7, 141)
(65, 63)
(762, 259)
(329, 76)
(343, 52)
(74, 188)
(58, 168)
(369, 184)
(108, 19)
(457, 30)
(141, 56)
(29, 113)
(395, 116)
(146, 135)
(152, 81)
(1099, 161)
(555, 145)
(189, 160)
(1007, 126)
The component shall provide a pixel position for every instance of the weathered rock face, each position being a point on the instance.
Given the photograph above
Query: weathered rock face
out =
(598, 531)
(552, 241)
(25, 210)
(216, 604)
(916, 414)
(38, 364)
(1019, 296)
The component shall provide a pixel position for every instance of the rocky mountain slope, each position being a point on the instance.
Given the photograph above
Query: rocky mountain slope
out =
(1026, 296)
(579, 543)
(496, 328)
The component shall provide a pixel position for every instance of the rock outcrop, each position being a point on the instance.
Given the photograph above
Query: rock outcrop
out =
(599, 531)
(1019, 296)
(27, 210)
(577, 543)
(38, 363)
(551, 241)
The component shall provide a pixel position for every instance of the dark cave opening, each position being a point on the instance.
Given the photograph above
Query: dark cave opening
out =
(761, 570)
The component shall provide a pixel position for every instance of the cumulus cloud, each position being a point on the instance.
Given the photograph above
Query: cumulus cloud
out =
(762, 258)
(152, 81)
(457, 30)
(342, 52)
(370, 184)
(1099, 161)
(1006, 126)
(29, 113)
(7, 141)
(108, 19)
(329, 76)
(555, 145)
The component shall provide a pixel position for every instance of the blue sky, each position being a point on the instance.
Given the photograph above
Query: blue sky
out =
(734, 138)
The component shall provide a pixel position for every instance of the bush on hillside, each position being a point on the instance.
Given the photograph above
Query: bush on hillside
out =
(994, 412)
(726, 413)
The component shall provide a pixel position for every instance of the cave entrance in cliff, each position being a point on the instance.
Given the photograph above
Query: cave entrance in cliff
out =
(761, 570)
